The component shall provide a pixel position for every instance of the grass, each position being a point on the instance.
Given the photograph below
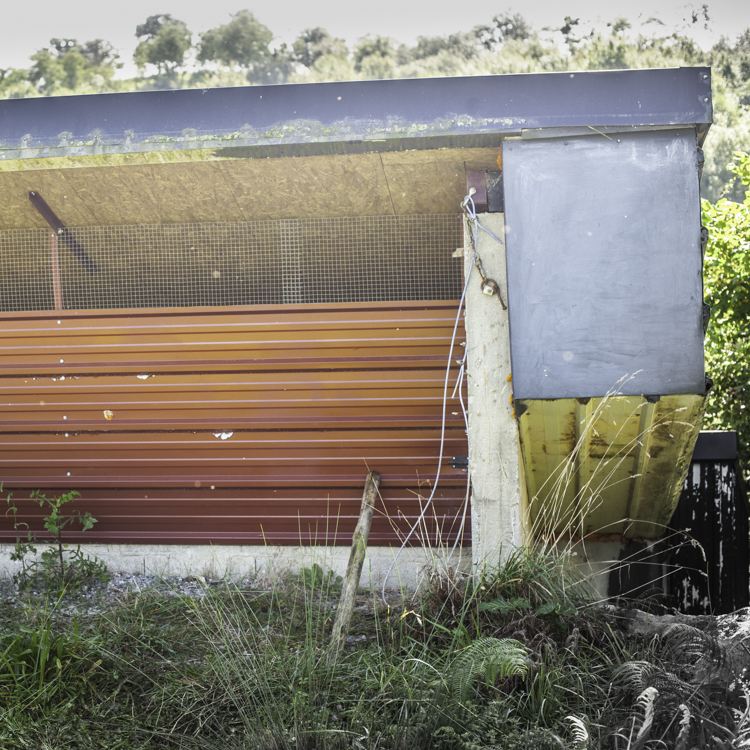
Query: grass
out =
(450, 670)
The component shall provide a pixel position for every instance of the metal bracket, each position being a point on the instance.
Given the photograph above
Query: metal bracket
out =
(477, 180)
(519, 407)
(460, 462)
(488, 187)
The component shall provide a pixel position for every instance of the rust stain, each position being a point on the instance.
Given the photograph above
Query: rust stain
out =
(612, 467)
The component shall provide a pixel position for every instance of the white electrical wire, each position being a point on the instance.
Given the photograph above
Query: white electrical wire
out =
(468, 206)
(415, 526)
(457, 389)
(472, 212)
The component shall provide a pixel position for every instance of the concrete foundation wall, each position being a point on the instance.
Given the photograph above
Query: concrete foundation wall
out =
(241, 561)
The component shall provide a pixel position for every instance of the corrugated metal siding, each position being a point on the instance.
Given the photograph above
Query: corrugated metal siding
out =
(313, 396)
(711, 576)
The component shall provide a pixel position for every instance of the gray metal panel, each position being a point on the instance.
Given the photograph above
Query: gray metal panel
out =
(351, 116)
(604, 265)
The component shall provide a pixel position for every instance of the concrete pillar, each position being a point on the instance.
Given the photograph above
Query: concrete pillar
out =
(498, 499)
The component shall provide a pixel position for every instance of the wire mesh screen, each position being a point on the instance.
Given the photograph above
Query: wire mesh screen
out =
(359, 259)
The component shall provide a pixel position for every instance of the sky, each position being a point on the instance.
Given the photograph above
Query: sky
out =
(26, 28)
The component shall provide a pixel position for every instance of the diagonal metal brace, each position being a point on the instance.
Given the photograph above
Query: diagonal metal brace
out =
(62, 232)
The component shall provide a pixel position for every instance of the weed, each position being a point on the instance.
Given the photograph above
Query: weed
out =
(58, 568)
(316, 579)
(243, 667)
(38, 665)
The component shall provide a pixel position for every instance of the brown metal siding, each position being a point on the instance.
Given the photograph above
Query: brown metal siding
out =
(313, 395)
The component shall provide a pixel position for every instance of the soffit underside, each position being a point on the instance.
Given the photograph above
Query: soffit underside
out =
(93, 191)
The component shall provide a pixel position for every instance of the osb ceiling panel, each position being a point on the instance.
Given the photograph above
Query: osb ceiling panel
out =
(413, 182)
(154, 194)
(16, 211)
(309, 186)
(438, 187)
(487, 157)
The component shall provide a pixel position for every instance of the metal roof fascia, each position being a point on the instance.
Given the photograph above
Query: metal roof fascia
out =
(373, 115)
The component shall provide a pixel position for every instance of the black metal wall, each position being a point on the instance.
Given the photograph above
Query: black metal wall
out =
(709, 568)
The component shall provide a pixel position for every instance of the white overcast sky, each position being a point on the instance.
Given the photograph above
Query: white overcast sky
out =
(28, 26)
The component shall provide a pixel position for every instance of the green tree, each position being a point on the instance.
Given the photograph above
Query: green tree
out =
(165, 42)
(503, 28)
(464, 45)
(312, 44)
(277, 68)
(726, 274)
(67, 65)
(14, 83)
(374, 57)
(242, 42)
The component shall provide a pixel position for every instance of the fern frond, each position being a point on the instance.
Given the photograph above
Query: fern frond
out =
(742, 721)
(633, 676)
(688, 645)
(488, 658)
(645, 702)
(579, 731)
(681, 743)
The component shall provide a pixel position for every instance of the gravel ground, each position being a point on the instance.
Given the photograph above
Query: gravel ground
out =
(95, 597)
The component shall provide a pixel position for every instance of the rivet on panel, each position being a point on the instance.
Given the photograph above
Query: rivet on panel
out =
(65, 416)
(62, 360)
(68, 473)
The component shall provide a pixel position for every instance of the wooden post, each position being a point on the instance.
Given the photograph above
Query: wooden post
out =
(354, 568)
(55, 261)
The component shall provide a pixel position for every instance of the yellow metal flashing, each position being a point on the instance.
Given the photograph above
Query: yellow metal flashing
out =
(607, 466)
